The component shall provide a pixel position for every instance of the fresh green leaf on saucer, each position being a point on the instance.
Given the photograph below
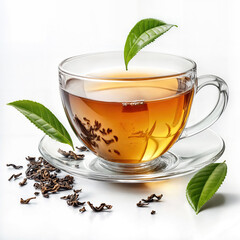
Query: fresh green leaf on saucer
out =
(204, 184)
(44, 119)
(143, 33)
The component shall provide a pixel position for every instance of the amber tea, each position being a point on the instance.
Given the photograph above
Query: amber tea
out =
(128, 121)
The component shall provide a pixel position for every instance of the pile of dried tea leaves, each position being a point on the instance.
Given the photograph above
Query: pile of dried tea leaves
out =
(47, 181)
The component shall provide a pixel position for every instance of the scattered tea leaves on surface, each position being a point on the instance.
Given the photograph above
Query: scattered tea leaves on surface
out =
(73, 200)
(152, 198)
(142, 204)
(103, 206)
(71, 155)
(82, 210)
(77, 190)
(22, 201)
(15, 176)
(14, 166)
(82, 149)
(24, 182)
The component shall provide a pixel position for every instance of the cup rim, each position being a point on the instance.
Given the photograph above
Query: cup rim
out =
(85, 77)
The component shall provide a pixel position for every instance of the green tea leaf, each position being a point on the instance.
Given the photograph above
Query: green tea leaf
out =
(143, 33)
(44, 119)
(204, 184)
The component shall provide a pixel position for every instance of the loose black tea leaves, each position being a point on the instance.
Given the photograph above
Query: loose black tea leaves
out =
(82, 149)
(71, 155)
(103, 206)
(15, 176)
(103, 131)
(27, 200)
(65, 197)
(46, 195)
(75, 156)
(153, 212)
(152, 198)
(45, 177)
(92, 132)
(24, 182)
(109, 130)
(116, 151)
(64, 153)
(85, 119)
(88, 131)
(77, 190)
(28, 158)
(97, 125)
(14, 166)
(108, 141)
(142, 204)
(82, 210)
(73, 200)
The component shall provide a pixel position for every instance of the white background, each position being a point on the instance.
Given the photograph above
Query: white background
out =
(35, 36)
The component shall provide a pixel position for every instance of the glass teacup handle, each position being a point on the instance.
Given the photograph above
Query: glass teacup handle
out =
(217, 111)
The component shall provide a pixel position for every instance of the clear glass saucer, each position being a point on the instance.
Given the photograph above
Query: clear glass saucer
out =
(186, 156)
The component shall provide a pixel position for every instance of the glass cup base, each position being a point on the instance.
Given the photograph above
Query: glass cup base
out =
(162, 163)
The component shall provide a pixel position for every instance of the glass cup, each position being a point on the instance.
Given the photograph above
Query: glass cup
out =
(129, 119)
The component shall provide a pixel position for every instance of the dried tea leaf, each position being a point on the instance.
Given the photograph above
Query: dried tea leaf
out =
(15, 176)
(82, 149)
(24, 182)
(22, 201)
(14, 166)
(153, 197)
(142, 204)
(83, 209)
(103, 206)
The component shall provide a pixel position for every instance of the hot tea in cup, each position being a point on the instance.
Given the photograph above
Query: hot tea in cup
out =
(133, 116)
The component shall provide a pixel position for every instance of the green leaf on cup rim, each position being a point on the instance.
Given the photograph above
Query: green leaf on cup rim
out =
(204, 184)
(143, 33)
(44, 119)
